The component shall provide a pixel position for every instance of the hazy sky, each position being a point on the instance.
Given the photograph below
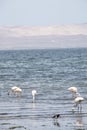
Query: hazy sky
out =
(42, 12)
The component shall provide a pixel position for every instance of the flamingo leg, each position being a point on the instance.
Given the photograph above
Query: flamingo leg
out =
(80, 107)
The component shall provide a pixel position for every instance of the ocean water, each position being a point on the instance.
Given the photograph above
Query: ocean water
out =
(50, 72)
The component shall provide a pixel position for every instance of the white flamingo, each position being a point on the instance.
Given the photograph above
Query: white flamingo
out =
(15, 90)
(74, 91)
(77, 98)
(78, 101)
(34, 92)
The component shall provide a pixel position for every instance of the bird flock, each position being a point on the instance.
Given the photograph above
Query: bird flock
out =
(75, 95)
(17, 91)
(77, 98)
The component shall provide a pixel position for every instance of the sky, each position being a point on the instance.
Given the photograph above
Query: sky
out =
(42, 12)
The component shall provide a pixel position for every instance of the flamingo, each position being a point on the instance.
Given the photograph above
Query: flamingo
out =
(34, 92)
(78, 101)
(74, 91)
(15, 90)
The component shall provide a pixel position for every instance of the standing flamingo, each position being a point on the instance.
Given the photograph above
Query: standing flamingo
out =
(78, 101)
(34, 92)
(73, 90)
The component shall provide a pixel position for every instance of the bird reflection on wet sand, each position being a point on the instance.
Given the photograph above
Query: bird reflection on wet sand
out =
(79, 121)
(56, 123)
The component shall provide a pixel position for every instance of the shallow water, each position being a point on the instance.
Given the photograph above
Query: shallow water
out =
(50, 72)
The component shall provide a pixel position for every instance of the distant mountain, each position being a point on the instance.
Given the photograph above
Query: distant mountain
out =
(68, 36)
(23, 31)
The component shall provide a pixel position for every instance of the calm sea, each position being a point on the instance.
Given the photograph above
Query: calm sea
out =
(50, 72)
